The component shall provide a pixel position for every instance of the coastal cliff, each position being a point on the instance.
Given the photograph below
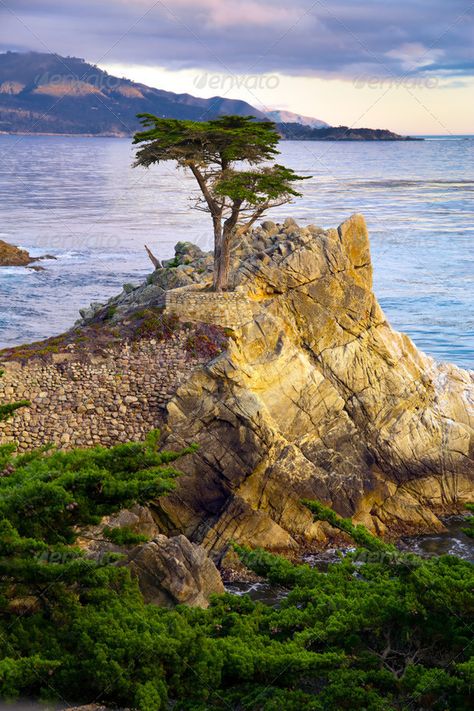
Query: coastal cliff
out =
(317, 397)
(312, 396)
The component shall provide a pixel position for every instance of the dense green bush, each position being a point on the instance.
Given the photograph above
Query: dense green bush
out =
(469, 529)
(123, 536)
(393, 633)
(358, 533)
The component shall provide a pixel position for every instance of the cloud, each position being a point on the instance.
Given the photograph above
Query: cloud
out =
(338, 38)
(414, 55)
(218, 14)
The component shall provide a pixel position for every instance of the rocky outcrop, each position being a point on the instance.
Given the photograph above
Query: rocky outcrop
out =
(170, 571)
(317, 397)
(189, 267)
(137, 519)
(313, 395)
(11, 256)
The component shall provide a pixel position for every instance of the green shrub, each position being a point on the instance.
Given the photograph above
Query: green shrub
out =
(469, 529)
(358, 533)
(123, 536)
(368, 637)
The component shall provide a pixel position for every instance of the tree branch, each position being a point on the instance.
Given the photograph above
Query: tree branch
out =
(212, 204)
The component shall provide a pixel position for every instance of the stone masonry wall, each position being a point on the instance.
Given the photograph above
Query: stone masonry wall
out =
(116, 397)
(228, 309)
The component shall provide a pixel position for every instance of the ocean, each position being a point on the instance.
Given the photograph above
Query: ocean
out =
(80, 200)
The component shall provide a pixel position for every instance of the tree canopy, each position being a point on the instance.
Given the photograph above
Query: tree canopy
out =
(213, 151)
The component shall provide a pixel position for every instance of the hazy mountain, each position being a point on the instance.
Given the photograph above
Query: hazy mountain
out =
(45, 93)
(290, 117)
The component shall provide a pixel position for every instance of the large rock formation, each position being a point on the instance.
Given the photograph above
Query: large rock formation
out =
(11, 256)
(314, 396)
(170, 571)
(317, 397)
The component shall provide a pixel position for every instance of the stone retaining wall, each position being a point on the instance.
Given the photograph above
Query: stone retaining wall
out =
(116, 397)
(228, 309)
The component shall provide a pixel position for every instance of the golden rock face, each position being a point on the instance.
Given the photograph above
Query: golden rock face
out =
(317, 397)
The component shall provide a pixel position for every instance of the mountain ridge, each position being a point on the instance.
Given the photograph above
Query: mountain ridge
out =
(30, 82)
(43, 93)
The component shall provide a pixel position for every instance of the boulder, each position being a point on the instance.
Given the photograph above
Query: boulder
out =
(172, 571)
(188, 253)
(270, 227)
(92, 311)
(138, 520)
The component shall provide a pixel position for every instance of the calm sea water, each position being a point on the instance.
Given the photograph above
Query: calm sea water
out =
(80, 199)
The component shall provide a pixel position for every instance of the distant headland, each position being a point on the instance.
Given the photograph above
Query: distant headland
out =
(48, 94)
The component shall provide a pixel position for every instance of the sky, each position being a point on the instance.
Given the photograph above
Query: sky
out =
(405, 65)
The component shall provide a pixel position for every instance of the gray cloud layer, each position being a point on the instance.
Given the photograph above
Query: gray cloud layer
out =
(338, 38)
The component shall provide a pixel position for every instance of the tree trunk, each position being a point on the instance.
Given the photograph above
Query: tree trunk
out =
(222, 262)
(156, 262)
(222, 249)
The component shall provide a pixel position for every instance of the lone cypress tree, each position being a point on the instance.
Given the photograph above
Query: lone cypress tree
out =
(234, 197)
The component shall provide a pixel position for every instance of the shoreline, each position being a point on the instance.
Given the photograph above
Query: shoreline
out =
(66, 135)
(402, 139)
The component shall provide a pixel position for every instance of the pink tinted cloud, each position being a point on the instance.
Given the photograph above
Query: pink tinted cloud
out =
(225, 13)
